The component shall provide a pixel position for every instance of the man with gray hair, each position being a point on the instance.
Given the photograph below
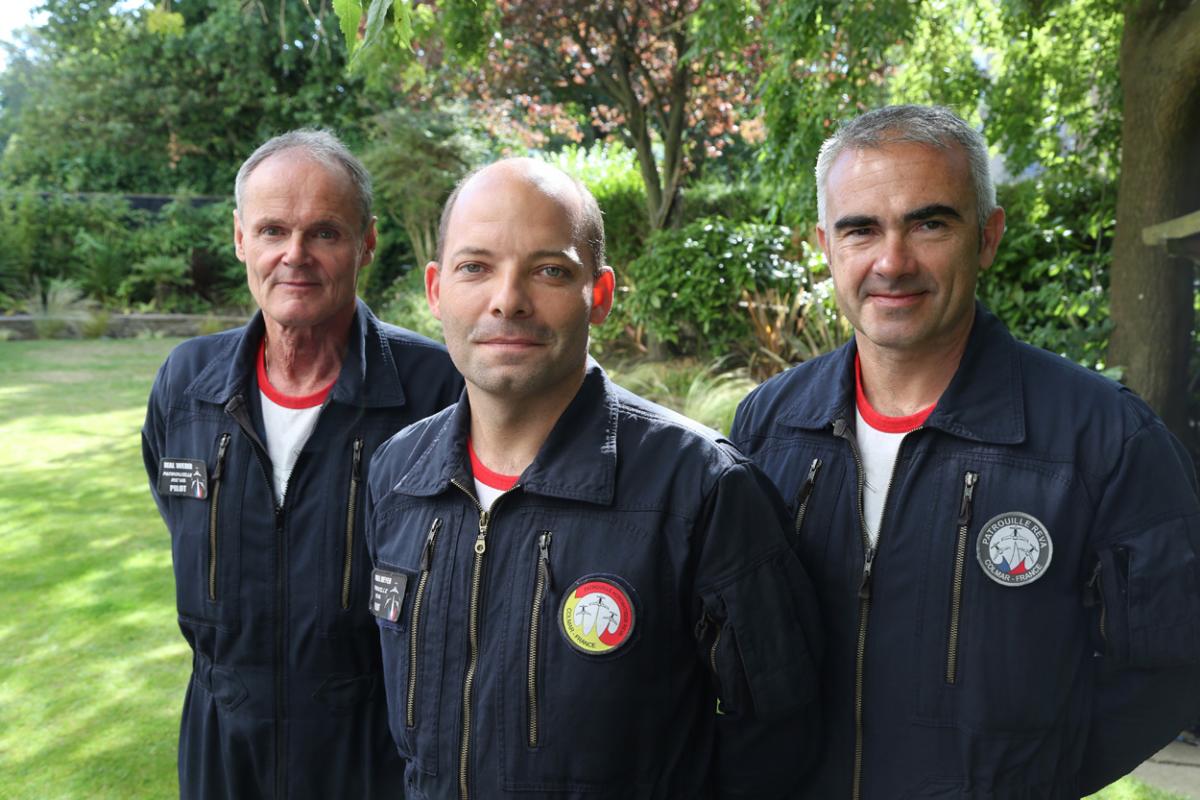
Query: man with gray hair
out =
(1005, 544)
(257, 443)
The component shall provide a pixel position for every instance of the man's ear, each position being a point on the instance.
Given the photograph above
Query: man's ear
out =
(238, 249)
(603, 288)
(989, 240)
(370, 240)
(433, 288)
(821, 240)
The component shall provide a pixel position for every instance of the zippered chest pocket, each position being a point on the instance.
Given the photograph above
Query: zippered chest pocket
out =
(1004, 631)
(417, 543)
(595, 646)
(204, 526)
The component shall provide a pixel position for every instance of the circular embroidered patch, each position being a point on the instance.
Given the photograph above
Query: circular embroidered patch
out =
(1014, 549)
(597, 615)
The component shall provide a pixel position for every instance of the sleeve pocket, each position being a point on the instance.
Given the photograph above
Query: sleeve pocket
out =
(1150, 587)
(761, 656)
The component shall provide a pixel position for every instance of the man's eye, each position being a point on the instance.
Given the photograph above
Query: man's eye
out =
(327, 234)
(932, 225)
(471, 268)
(854, 233)
(555, 271)
(271, 230)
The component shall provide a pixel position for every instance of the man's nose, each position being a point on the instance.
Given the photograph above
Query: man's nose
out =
(510, 295)
(894, 257)
(295, 253)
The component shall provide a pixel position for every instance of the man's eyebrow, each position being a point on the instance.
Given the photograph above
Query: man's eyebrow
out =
(931, 211)
(470, 251)
(855, 221)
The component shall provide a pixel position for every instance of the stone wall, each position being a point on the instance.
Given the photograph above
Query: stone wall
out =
(116, 326)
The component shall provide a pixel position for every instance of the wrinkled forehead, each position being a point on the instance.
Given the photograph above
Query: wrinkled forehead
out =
(901, 172)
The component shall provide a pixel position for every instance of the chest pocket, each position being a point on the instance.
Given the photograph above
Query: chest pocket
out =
(594, 644)
(1004, 632)
(204, 525)
(418, 542)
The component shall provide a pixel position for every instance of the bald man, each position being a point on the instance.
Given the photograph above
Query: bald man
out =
(577, 591)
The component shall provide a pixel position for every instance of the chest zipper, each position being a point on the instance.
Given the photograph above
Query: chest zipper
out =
(236, 408)
(213, 513)
(960, 563)
(485, 518)
(842, 430)
(542, 584)
(414, 628)
(805, 493)
(351, 508)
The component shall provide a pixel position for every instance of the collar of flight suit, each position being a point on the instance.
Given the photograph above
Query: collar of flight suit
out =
(368, 377)
(578, 460)
(984, 401)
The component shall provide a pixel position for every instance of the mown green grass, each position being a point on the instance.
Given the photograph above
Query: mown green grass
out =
(93, 667)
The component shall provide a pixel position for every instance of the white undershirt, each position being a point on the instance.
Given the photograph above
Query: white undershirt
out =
(287, 430)
(486, 494)
(878, 449)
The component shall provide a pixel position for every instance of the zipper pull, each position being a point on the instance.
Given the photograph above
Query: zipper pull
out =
(964, 507)
(221, 448)
(1091, 595)
(357, 462)
(809, 481)
(544, 556)
(427, 552)
(864, 588)
(480, 543)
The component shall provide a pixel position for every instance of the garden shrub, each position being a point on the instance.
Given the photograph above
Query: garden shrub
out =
(1049, 282)
(738, 199)
(404, 305)
(686, 288)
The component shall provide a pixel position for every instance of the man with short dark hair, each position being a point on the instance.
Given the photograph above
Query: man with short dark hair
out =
(257, 442)
(568, 577)
(1004, 544)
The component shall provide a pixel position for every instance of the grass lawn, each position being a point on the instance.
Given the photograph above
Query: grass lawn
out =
(93, 667)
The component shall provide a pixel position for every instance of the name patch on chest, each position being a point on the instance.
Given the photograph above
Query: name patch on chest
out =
(1014, 549)
(183, 477)
(387, 593)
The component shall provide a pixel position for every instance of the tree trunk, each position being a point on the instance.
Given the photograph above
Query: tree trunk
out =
(1152, 309)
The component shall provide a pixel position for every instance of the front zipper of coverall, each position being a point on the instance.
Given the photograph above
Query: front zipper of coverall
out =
(351, 508)
(960, 563)
(841, 430)
(236, 408)
(213, 509)
(485, 518)
(414, 628)
(805, 493)
(541, 585)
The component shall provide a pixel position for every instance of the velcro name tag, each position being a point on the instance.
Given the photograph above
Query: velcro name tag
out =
(183, 477)
(387, 593)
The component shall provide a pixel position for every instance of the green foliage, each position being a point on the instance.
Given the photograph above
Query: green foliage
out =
(611, 174)
(416, 157)
(737, 199)
(167, 102)
(706, 393)
(1044, 103)
(404, 304)
(98, 243)
(1050, 280)
(153, 280)
(687, 286)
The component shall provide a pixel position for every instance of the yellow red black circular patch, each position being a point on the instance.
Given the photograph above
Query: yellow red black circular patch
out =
(597, 615)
